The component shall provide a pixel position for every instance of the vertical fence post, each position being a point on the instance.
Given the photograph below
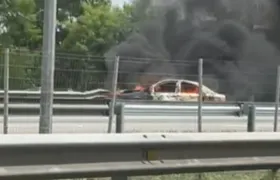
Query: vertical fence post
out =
(200, 99)
(276, 100)
(200, 80)
(6, 90)
(251, 118)
(114, 91)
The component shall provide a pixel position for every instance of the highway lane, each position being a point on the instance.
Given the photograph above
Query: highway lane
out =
(98, 124)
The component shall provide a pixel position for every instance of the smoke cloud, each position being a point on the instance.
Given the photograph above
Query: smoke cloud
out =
(238, 60)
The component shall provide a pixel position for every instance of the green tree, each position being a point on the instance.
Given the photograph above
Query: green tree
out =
(95, 31)
(67, 10)
(86, 29)
(18, 31)
(18, 23)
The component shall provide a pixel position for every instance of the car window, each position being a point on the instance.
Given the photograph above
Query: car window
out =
(169, 87)
(207, 90)
(189, 88)
(127, 91)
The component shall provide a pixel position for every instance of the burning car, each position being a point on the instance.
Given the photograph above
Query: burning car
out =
(172, 90)
(183, 90)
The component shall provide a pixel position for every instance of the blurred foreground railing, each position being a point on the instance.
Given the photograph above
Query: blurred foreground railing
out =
(56, 156)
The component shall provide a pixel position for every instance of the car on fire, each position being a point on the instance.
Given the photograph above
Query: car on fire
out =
(171, 90)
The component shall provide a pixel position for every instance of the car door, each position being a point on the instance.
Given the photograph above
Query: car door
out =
(166, 91)
(188, 91)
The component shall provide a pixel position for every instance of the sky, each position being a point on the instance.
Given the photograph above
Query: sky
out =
(119, 2)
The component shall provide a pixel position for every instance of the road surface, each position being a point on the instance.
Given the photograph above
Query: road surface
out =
(99, 124)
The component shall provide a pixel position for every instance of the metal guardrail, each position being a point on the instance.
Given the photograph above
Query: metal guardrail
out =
(35, 100)
(122, 110)
(57, 94)
(87, 107)
(156, 102)
(155, 108)
(265, 110)
(165, 108)
(27, 109)
(180, 110)
(23, 95)
(84, 107)
(56, 156)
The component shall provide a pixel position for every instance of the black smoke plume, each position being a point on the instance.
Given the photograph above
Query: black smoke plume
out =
(238, 60)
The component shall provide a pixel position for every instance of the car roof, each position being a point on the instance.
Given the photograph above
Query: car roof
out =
(187, 81)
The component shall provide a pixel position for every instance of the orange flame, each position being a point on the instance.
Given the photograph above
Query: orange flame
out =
(139, 88)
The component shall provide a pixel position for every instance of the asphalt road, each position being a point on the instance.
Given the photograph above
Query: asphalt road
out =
(99, 124)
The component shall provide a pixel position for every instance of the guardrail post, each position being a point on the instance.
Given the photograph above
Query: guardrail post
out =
(119, 129)
(119, 118)
(251, 118)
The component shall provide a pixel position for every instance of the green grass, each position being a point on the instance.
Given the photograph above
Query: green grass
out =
(248, 175)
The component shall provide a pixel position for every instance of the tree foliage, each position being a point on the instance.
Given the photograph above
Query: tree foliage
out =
(86, 29)
(96, 29)
(17, 23)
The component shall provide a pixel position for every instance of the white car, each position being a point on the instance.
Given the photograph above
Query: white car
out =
(183, 90)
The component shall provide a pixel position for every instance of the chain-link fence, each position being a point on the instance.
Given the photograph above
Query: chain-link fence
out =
(84, 72)
(77, 72)
(24, 69)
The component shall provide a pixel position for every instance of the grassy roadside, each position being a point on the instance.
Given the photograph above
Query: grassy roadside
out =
(248, 175)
